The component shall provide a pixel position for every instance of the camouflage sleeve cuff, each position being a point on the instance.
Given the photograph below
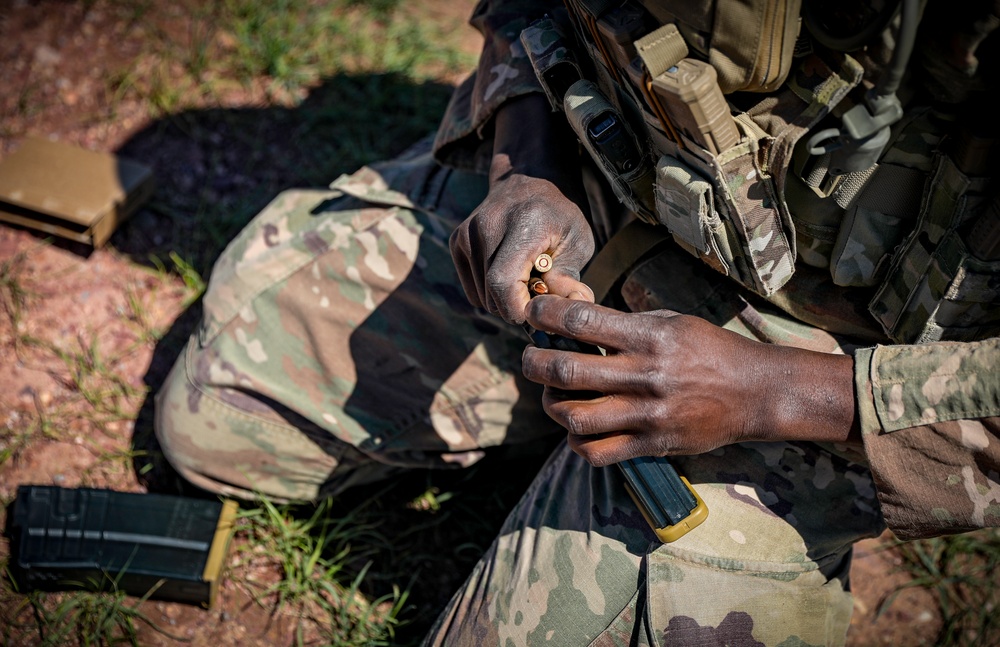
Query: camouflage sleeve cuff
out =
(930, 426)
(927, 383)
(504, 72)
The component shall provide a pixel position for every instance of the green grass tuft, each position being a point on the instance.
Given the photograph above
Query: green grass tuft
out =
(316, 555)
(961, 571)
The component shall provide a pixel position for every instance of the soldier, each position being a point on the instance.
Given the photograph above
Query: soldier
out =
(806, 321)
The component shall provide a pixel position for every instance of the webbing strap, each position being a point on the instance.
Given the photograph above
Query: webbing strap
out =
(894, 190)
(624, 249)
(851, 184)
(662, 49)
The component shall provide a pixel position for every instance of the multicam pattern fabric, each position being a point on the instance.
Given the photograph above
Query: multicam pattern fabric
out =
(545, 44)
(935, 413)
(762, 245)
(504, 72)
(583, 104)
(308, 331)
(768, 566)
(935, 289)
(320, 365)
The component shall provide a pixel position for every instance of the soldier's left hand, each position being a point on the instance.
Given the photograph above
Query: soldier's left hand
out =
(676, 384)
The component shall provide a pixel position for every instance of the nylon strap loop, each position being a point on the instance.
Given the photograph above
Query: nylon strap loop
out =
(662, 49)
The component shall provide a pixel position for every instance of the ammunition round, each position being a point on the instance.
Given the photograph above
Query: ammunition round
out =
(537, 286)
(543, 263)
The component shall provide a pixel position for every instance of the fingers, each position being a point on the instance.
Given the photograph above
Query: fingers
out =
(561, 283)
(603, 414)
(507, 282)
(461, 254)
(580, 372)
(610, 428)
(608, 449)
(495, 247)
(586, 321)
(492, 279)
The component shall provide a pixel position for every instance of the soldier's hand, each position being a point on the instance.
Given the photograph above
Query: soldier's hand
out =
(494, 249)
(676, 384)
(533, 206)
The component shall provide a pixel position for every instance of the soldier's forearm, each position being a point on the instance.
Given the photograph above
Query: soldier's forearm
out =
(531, 140)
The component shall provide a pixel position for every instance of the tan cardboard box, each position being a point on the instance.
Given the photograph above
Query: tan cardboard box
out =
(71, 192)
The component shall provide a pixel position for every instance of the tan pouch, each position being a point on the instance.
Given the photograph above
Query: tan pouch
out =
(748, 42)
(71, 192)
(685, 204)
(749, 236)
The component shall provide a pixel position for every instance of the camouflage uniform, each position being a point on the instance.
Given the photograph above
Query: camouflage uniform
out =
(319, 365)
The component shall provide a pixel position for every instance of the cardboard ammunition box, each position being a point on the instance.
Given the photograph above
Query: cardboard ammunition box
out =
(70, 192)
(167, 547)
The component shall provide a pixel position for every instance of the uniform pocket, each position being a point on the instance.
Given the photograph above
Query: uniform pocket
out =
(744, 602)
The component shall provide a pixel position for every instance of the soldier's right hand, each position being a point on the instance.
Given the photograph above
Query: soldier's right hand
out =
(533, 206)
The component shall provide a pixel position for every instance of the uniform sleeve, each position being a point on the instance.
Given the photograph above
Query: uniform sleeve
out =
(930, 421)
(504, 72)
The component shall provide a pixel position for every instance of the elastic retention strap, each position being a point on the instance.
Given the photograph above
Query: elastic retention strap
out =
(623, 251)
(662, 49)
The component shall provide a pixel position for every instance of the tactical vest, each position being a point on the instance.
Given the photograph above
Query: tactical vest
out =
(705, 118)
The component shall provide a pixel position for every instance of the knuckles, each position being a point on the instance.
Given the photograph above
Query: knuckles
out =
(562, 371)
(552, 368)
(579, 317)
(576, 424)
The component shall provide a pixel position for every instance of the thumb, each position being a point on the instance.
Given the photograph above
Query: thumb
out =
(566, 285)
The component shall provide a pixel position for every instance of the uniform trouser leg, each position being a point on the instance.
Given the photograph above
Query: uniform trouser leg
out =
(337, 347)
(769, 566)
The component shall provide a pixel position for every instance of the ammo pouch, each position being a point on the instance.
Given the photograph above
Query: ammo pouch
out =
(716, 181)
(936, 289)
(749, 42)
(609, 139)
(552, 58)
(737, 218)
